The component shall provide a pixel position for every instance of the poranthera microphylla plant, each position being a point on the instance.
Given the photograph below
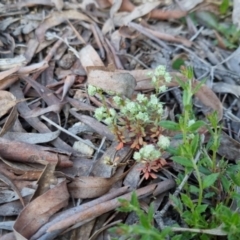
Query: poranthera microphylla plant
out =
(202, 198)
(136, 122)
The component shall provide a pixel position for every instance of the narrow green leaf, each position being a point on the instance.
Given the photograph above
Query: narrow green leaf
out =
(226, 183)
(199, 85)
(185, 98)
(177, 202)
(134, 200)
(195, 126)
(182, 160)
(193, 189)
(195, 144)
(201, 208)
(210, 180)
(169, 125)
(235, 178)
(224, 6)
(187, 201)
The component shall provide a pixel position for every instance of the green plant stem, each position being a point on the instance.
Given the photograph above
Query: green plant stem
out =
(200, 197)
(215, 147)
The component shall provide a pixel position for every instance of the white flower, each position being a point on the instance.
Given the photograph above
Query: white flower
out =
(132, 107)
(149, 153)
(163, 88)
(167, 77)
(100, 113)
(92, 90)
(154, 79)
(160, 109)
(110, 92)
(160, 70)
(191, 122)
(137, 156)
(155, 155)
(112, 112)
(108, 120)
(153, 100)
(142, 116)
(146, 150)
(163, 142)
(141, 98)
(123, 110)
(117, 100)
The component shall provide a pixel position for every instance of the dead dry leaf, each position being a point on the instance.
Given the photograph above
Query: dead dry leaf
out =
(87, 215)
(120, 83)
(221, 87)
(137, 12)
(37, 212)
(229, 148)
(91, 187)
(89, 57)
(7, 101)
(25, 152)
(94, 124)
(9, 63)
(11, 119)
(7, 73)
(58, 17)
(42, 232)
(46, 179)
(11, 184)
(31, 138)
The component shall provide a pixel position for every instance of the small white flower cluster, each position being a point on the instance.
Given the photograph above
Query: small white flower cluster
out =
(160, 71)
(143, 109)
(107, 115)
(118, 100)
(163, 142)
(100, 113)
(147, 153)
(92, 90)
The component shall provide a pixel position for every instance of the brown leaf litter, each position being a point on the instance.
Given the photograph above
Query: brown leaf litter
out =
(49, 53)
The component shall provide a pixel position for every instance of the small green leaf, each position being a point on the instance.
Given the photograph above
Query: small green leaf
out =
(181, 83)
(210, 180)
(178, 63)
(201, 208)
(209, 195)
(187, 201)
(177, 202)
(195, 144)
(224, 6)
(134, 200)
(169, 125)
(182, 160)
(195, 126)
(235, 178)
(199, 85)
(226, 183)
(208, 19)
(193, 189)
